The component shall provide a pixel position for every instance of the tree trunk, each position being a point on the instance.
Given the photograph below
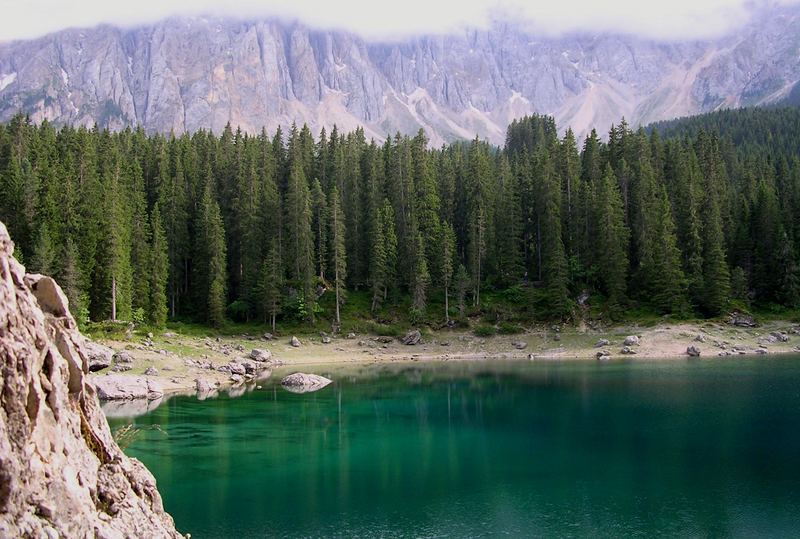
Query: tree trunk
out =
(446, 306)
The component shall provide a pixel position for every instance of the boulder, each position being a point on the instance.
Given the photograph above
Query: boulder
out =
(268, 336)
(122, 367)
(412, 338)
(693, 351)
(384, 339)
(295, 342)
(603, 355)
(204, 386)
(120, 387)
(260, 355)
(519, 345)
(123, 357)
(700, 338)
(742, 320)
(779, 336)
(601, 343)
(151, 371)
(236, 368)
(627, 350)
(631, 340)
(99, 357)
(237, 378)
(326, 340)
(304, 383)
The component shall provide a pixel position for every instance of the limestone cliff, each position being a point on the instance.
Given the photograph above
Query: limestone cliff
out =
(61, 473)
(183, 74)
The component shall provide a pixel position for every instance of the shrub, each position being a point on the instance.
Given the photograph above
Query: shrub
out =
(484, 331)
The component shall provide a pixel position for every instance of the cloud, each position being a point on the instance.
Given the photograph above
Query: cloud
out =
(381, 19)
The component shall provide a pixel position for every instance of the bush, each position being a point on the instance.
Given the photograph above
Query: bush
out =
(239, 311)
(507, 328)
(484, 331)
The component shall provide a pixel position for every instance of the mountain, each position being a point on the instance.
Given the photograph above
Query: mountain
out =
(183, 74)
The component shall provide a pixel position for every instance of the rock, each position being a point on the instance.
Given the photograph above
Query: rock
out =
(204, 386)
(326, 340)
(123, 357)
(169, 334)
(519, 345)
(295, 342)
(631, 340)
(779, 336)
(384, 339)
(601, 343)
(121, 367)
(236, 368)
(268, 336)
(48, 294)
(304, 383)
(260, 355)
(250, 367)
(151, 371)
(603, 355)
(742, 320)
(557, 338)
(693, 351)
(99, 357)
(351, 335)
(121, 387)
(760, 351)
(627, 350)
(412, 338)
(700, 338)
(237, 378)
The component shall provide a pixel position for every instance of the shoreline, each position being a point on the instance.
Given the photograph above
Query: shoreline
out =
(180, 360)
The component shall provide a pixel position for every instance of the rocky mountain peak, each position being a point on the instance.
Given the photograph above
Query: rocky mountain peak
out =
(188, 73)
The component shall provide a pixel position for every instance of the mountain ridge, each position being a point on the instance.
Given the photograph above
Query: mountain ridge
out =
(183, 74)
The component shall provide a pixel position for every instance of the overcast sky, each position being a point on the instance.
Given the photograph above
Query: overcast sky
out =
(664, 19)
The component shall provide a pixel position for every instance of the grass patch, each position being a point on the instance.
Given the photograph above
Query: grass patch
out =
(484, 330)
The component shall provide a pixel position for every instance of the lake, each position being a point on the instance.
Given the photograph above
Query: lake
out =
(489, 449)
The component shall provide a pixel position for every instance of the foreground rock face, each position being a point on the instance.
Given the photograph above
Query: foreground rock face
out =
(61, 473)
(300, 382)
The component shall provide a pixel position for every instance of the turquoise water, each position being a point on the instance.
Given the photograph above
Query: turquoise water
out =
(492, 449)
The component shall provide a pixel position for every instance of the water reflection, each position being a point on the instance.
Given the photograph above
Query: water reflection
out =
(514, 449)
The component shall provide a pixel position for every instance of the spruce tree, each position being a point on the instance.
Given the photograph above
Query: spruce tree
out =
(611, 242)
(159, 270)
(337, 235)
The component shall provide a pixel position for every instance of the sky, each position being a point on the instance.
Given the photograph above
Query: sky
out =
(394, 19)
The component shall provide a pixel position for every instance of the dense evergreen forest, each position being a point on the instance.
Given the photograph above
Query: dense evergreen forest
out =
(282, 227)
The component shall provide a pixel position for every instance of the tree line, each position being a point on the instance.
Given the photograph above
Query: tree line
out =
(147, 227)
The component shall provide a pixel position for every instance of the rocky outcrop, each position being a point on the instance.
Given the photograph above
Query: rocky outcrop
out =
(61, 473)
(412, 338)
(183, 74)
(300, 382)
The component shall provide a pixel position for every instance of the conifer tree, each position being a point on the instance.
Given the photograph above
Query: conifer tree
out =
(716, 275)
(337, 234)
(448, 246)
(272, 282)
(212, 255)
(159, 270)
(611, 239)
(299, 236)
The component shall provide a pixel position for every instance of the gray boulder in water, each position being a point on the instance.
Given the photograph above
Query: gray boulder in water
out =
(300, 382)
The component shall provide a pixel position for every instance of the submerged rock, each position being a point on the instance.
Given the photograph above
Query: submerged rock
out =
(61, 472)
(300, 382)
